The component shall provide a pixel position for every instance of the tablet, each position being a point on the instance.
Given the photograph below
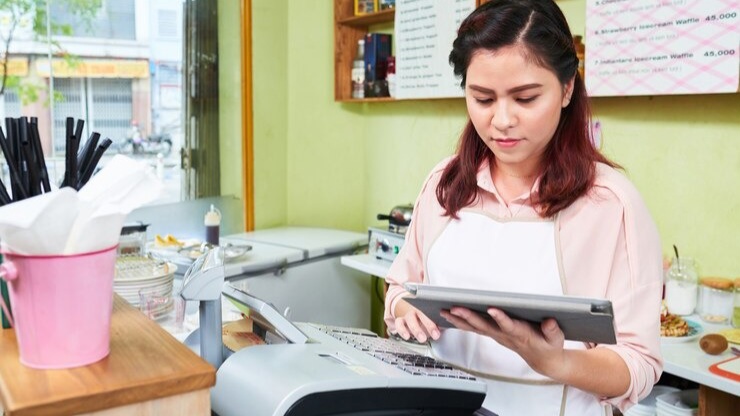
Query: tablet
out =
(580, 319)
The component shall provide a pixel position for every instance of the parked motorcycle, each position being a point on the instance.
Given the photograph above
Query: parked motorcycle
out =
(152, 145)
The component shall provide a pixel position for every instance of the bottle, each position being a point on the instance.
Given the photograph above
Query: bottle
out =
(681, 287)
(716, 295)
(212, 222)
(391, 76)
(580, 54)
(358, 71)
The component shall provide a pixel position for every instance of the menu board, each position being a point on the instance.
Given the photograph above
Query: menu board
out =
(662, 47)
(425, 30)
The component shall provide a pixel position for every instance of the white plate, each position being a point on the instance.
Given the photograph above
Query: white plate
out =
(167, 270)
(695, 331)
(688, 399)
(647, 406)
(191, 252)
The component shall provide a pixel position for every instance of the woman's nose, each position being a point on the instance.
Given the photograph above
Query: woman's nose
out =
(502, 117)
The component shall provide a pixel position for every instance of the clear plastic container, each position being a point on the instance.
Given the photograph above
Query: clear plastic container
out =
(716, 297)
(681, 287)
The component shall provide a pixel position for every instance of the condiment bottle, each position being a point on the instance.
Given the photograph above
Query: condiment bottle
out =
(391, 76)
(681, 287)
(212, 222)
(358, 71)
(716, 295)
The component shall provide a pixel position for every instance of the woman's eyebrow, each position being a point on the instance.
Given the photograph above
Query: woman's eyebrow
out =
(510, 91)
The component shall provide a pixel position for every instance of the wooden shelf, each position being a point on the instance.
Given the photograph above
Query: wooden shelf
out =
(365, 20)
(367, 100)
(348, 29)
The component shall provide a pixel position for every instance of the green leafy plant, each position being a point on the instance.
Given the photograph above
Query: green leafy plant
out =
(18, 13)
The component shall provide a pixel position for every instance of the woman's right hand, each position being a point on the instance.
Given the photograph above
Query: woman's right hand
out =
(411, 322)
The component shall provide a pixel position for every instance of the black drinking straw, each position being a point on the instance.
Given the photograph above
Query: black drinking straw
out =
(68, 138)
(4, 197)
(86, 154)
(94, 162)
(15, 174)
(34, 184)
(39, 152)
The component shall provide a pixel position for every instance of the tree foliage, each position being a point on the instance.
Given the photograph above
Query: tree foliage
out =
(15, 14)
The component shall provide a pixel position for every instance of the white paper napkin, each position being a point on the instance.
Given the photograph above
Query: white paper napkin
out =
(67, 222)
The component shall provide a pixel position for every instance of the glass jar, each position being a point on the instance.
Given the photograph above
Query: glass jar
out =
(716, 296)
(681, 287)
(736, 307)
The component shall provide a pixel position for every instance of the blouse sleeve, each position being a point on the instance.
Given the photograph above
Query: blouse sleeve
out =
(624, 245)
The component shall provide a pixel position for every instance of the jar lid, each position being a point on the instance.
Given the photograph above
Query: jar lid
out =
(719, 283)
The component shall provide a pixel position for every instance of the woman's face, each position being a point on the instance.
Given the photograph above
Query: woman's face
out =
(515, 106)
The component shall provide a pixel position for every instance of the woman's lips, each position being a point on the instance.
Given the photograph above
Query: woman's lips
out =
(507, 142)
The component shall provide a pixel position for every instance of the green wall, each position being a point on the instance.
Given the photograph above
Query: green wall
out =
(230, 100)
(344, 163)
(270, 89)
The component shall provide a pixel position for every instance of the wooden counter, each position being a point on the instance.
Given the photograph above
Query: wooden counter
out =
(148, 372)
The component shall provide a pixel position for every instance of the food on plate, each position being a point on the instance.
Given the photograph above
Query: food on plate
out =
(713, 344)
(732, 335)
(672, 325)
(167, 241)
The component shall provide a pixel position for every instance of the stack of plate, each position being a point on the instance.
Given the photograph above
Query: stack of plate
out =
(647, 406)
(678, 403)
(140, 277)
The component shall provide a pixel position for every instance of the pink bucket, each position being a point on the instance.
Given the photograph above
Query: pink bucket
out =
(62, 307)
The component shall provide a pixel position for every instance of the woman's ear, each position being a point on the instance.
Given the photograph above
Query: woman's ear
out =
(568, 92)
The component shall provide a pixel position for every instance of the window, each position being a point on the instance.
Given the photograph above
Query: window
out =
(119, 67)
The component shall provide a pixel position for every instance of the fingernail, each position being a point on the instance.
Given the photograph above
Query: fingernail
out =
(435, 335)
(421, 337)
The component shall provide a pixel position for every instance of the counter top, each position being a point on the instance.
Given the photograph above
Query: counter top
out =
(367, 263)
(145, 363)
(687, 360)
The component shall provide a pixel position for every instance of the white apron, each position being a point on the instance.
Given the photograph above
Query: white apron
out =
(481, 252)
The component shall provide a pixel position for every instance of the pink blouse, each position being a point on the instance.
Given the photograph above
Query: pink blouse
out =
(610, 249)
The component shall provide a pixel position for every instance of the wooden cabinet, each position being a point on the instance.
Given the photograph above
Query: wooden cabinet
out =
(348, 29)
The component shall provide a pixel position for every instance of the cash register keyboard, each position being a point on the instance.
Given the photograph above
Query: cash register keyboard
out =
(392, 353)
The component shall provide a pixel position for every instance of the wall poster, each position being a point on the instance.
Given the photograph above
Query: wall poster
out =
(662, 47)
(425, 30)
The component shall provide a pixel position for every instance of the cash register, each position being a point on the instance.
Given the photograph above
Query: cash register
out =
(313, 369)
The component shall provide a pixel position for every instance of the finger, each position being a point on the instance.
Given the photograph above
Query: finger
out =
(458, 322)
(402, 329)
(430, 327)
(481, 323)
(415, 327)
(503, 321)
(551, 331)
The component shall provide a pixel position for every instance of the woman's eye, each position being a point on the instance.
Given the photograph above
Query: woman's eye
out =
(526, 100)
(483, 100)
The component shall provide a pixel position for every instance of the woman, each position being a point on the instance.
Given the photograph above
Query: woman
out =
(528, 205)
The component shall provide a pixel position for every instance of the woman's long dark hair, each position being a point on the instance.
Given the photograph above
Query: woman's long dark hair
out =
(540, 28)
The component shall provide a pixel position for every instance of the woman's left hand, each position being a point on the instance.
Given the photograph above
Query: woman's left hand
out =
(541, 348)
